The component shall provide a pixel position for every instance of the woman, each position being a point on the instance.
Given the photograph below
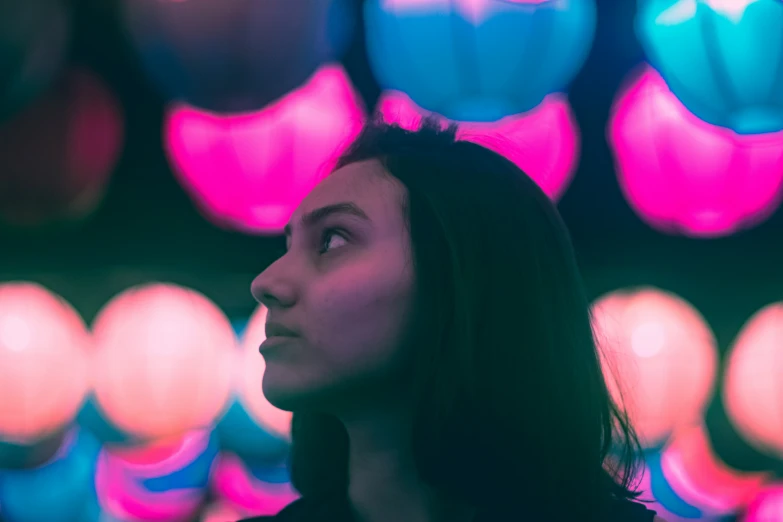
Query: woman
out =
(428, 327)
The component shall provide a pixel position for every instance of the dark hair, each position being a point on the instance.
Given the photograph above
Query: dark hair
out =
(512, 404)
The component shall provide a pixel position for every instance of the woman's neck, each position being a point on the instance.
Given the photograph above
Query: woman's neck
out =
(384, 483)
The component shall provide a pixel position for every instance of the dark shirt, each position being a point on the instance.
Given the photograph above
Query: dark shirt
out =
(302, 511)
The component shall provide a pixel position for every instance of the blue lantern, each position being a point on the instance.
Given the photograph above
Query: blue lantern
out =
(478, 60)
(723, 60)
(58, 491)
(235, 55)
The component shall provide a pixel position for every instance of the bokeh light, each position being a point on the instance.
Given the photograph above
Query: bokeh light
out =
(235, 55)
(59, 490)
(753, 388)
(767, 506)
(659, 357)
(162, 364)
(44, 346)
(699, 477)
(163, 481)
(544, 142)
(722, 58)
(58, 153)
(683, 175)
(478, 60)
(250, 171)
(256, 491)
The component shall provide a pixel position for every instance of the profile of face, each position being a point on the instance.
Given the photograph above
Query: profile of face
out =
(344, 287)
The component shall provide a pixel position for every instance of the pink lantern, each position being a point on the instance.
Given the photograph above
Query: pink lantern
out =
(544, 143)
(162, 365)
(250, 171)
(57, 154)
(251, 366)
(659, 358)
(221, 512)
(767, 506)
(234, 483)
(129, 482)
(43, 363)
(684, 175)
(753, 391)
(700, 478)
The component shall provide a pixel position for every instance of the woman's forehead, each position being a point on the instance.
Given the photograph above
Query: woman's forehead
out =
(365, 183)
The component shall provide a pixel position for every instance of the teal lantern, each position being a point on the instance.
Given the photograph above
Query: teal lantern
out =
(722, 59)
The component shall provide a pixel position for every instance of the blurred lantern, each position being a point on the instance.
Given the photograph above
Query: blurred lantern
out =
(753, 388)
(722, 58)
(252, 428)
(162, 363)
(164, 481)
(544, 143)
(659, 358)
(659, 496)
(58, 491)
(699, 477)
(683, 175)
(57, 154)
(236, 55)
(767, 506)
(221, 512)
(43, 363)
(251, 171)
(478, 60)
(34, 38)
(255, 490)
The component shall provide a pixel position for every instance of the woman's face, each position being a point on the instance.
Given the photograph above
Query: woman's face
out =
(344, 287)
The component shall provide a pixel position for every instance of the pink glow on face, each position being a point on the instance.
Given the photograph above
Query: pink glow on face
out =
(43, 362)
(767, 506)
(753, 391)
(234, 483)
(544, 143)
(701, 479)
(250, 171)
(119, 476)
(251, 368)
(657, 351)
(162, 365)
(682, 174)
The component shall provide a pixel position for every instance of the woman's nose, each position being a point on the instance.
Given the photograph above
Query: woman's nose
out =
(273, 289)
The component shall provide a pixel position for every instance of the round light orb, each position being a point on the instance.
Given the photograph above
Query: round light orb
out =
(753, 389)
(162, 363)
(235, 55)
(44, 346)
(682, 175)
(544, 142)
(720, 57)
(478, 60)
(59, 152)
(659, 358)
(250, 171)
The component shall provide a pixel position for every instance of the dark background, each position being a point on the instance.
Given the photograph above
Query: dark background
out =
(149, 230)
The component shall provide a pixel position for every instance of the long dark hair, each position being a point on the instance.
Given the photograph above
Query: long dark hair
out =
(511, 403)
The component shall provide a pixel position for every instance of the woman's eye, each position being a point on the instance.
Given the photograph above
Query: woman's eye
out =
(330, 239)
